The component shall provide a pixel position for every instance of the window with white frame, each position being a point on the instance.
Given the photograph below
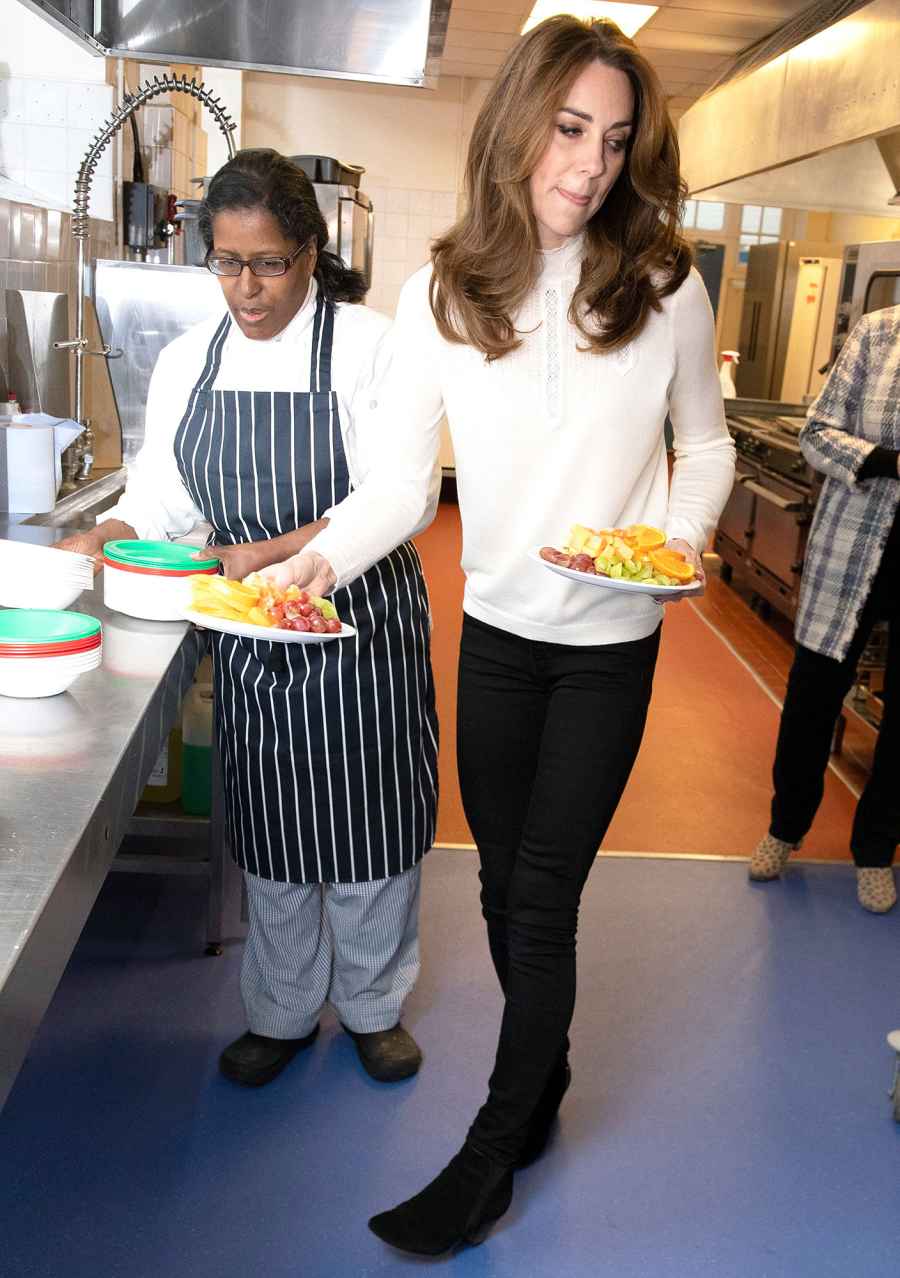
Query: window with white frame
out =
(760, 224)
(703, 215)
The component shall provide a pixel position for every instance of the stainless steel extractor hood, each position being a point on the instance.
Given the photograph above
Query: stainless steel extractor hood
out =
(889, 147)
(388, 41)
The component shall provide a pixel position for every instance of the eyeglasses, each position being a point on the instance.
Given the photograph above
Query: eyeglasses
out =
(222, 264)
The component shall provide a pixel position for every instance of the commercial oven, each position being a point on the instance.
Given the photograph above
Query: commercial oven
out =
(763, 529)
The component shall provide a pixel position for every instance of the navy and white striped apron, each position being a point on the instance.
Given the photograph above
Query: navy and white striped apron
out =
(329, 750)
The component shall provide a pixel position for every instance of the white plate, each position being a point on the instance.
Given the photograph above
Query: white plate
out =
(274, 634)
(617, 583)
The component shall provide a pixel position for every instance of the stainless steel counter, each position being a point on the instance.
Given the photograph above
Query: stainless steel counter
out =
(79, 508)
(72, 768)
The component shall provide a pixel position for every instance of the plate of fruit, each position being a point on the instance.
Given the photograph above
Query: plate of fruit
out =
(255, 609)
(634, 559)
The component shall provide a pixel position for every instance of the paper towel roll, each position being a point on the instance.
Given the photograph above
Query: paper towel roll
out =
(27, 469)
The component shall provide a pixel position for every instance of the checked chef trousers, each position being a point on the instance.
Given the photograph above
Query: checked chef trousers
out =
(354, 945)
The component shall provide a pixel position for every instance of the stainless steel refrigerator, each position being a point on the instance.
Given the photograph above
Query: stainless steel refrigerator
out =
(770, 296)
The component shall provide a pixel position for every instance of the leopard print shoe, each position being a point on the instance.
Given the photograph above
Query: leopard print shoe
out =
(875, 888)
(769, 858)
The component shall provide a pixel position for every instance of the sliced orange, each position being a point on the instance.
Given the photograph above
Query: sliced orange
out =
(671, 563)
(644, 537)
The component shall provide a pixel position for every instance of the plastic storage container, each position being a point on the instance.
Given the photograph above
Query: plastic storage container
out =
(151, 579)
(197, 744)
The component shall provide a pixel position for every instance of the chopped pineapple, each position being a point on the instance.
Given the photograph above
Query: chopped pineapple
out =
(578, 536)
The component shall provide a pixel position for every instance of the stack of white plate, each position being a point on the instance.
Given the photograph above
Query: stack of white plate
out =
(41, 576)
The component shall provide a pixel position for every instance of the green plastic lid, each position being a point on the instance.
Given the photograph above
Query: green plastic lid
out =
(45, 625)
(157, 556)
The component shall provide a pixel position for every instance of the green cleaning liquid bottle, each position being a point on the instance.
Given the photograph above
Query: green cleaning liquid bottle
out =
(196, 749)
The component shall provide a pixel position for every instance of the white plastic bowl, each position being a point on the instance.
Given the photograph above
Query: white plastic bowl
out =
(41, 576)
(44, 676)
(38, 592)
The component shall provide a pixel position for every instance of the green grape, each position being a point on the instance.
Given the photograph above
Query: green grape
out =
(325, 606)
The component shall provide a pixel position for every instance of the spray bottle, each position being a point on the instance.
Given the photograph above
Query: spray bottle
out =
(726, 381)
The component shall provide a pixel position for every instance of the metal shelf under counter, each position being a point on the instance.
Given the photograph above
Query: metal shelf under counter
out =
(73, 770)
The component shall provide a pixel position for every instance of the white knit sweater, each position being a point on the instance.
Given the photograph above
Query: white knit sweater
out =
(545, 437)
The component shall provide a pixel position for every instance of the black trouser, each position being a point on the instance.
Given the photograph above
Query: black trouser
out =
(817, 686)
(547, 735)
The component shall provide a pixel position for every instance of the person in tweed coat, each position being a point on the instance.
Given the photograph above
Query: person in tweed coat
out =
(851, 576)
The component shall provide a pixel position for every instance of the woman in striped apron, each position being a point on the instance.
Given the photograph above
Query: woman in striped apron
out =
(328, 750)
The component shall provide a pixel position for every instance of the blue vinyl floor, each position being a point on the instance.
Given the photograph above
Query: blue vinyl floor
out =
(728, 1115)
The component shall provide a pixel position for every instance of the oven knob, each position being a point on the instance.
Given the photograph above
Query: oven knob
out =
(799, 466)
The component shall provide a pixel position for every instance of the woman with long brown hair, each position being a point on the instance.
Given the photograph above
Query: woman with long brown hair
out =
(558, 323)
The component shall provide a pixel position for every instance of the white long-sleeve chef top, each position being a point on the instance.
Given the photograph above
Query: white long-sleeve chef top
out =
(545, 437)
(157, 504)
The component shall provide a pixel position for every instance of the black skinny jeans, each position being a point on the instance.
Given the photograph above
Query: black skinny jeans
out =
(817, 686)
(547, 735)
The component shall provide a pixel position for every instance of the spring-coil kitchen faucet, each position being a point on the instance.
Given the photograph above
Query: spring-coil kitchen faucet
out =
(80, 224)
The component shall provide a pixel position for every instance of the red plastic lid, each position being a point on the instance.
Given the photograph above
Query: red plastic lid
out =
(50, 649)
(155, 572)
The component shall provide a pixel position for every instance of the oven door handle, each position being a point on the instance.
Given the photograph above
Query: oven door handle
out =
(792, 507)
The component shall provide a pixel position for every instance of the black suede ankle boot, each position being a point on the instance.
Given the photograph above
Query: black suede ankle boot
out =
(544, 1116)
(458, 1206)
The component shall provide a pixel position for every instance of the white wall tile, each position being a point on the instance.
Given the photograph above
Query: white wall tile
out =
(418, 253)
(420, 201)
(390, 248)
(32, 47)
(419, 226)
(440, 224)
(77, 143)
(88, 105)
(45, 148)
(444, 204)
(53, 186)
(392, 273)
(45, 102)
(12, 148)
(12, 101)
(398, 201)
(395, 224)
(102, 199)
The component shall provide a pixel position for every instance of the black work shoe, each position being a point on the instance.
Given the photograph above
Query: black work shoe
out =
(254, 1059)
(388, 1055)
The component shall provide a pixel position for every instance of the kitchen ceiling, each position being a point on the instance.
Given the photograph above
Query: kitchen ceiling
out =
(689, 42)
